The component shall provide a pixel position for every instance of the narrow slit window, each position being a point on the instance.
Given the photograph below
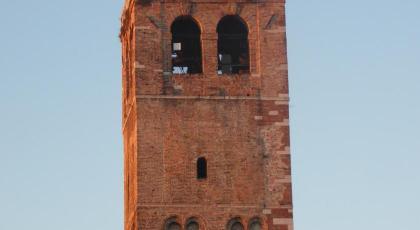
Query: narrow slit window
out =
(186, 46)
(232, 46)
(201, 168)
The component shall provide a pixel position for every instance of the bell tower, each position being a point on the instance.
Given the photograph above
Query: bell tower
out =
(205, 115)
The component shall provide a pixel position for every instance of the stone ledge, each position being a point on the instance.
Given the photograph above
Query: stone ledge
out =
(277, 99)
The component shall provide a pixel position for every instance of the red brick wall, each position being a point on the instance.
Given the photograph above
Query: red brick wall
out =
(238, 122)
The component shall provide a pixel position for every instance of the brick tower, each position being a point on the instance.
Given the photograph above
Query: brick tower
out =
(205, 115)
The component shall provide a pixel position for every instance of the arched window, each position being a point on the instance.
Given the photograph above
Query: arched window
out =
(186, 46)
(174, 226)
(192, 224)
(171, 224)
(233, 48)
(255, 224)
(201, 168)
(235, 224)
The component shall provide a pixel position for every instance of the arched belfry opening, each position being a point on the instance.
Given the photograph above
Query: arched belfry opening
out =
(186, 46)
(232, 45)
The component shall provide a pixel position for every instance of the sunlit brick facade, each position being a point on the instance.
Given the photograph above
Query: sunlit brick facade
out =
(237, 121)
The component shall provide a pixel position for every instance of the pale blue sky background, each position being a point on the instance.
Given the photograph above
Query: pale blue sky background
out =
(355, 90)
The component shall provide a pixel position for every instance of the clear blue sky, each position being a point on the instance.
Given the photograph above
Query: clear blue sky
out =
(355, 90)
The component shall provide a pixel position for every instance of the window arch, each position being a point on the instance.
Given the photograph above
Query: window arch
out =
(232, 45)
(171, 224)
(186, 46)
(255, 224)
(201, 168)
(192, 224)
(174, 226)
(235, 224)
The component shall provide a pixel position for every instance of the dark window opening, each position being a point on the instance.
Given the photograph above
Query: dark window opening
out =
(255, 224)
(174, 226)
(235, 224)
(201, 168)
(233, 47)
(192, 225)
(186, 46)
(171, 224)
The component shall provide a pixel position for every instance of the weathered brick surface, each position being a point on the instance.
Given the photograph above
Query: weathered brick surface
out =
(238, 122)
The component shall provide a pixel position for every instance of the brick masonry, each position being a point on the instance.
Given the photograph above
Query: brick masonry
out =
(240, 123)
